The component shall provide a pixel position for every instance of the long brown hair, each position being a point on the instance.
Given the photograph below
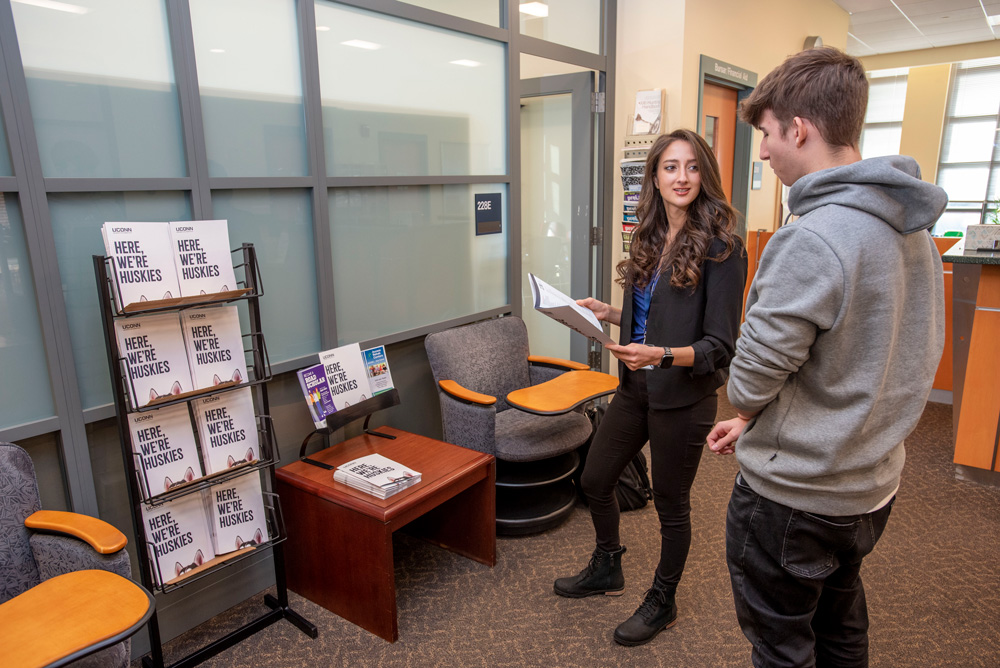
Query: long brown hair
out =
(709, 216)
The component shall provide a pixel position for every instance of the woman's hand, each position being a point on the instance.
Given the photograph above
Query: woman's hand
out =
(637, 355)
(604, 312)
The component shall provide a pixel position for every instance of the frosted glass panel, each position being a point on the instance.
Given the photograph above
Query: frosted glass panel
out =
(881, 140)
(574, 23)
(964, 184)
(251, 88)
(76, 225)
(25, 393)
(404, 99)
(483, 11)
(968, 141)
(279, 225)
(406, 257)
(101, 86)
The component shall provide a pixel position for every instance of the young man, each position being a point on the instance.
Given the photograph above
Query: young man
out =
(843, 333)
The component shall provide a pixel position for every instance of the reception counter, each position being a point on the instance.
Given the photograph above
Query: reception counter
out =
(976, 356)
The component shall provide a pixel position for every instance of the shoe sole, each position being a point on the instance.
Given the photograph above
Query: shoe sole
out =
(610, 592)
(636, 643)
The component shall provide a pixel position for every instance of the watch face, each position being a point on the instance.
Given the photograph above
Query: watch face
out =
(667, 361)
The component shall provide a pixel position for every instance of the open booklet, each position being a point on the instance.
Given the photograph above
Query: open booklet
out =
(564, 309)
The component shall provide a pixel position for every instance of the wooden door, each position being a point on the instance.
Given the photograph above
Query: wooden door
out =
(718, 127)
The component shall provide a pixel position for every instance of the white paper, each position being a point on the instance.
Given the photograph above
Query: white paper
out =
(564, 309)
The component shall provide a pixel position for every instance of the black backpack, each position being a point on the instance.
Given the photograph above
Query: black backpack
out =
(633, 489)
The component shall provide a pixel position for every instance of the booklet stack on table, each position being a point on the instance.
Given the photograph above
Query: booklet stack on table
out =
(376, 475)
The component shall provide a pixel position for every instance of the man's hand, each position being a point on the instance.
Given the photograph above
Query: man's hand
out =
(637, 355)
(722, 438)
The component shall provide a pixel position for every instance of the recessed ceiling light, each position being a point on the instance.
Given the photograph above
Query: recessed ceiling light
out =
(217, 50)
(539, 9)
(466, 63)
(58, 6)
(362, 44)
(994, 20)
(322, 28)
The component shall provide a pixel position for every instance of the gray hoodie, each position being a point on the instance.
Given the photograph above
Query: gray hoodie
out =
(843, 334)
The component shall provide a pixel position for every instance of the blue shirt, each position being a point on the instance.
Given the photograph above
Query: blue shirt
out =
(640, 309)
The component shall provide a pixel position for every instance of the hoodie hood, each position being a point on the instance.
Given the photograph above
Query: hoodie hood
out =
(888, 188)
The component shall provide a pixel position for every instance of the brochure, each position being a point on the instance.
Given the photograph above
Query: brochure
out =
(202, 256)
(564, 309)
(345, 375)
(227, 428)
(141, 262)
(315, 389)
(214, 343)
(155, 358)
(178, 532)
(376, 475)
(237, 510)
(377, 368)
(165, 451)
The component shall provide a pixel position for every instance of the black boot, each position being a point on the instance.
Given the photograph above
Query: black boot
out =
(657, 612)
(603, 575)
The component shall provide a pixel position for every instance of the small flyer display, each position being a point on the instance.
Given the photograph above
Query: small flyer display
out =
(377, 368)
(155, 358)
(141, 262)
(237, 510)
(202, 256)
(227, 428)
(179, 536)
(214, 344)
(165, 451)
(315, 389)
(345, 375)
(648, 111)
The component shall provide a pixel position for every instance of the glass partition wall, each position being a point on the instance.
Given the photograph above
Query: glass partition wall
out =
(348, 140)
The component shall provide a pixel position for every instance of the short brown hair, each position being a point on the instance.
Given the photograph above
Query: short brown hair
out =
(824, 85)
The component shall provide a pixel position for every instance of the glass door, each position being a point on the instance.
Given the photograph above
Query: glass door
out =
(557, 158)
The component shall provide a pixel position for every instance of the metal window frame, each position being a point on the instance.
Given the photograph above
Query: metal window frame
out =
(32, 188)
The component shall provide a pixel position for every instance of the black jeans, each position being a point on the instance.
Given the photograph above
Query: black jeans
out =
(676, 439)
(797, 580)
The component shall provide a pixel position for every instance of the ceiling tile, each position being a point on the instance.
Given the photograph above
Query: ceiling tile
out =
(853, 6)
(876, 15)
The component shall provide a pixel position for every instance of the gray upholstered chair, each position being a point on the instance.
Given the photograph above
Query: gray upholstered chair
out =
(29, 557)
(475, 367)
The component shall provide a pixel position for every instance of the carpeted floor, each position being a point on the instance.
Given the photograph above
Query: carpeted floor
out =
(933, 586)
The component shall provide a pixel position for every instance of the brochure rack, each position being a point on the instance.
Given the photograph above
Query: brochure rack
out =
(340, 419)
(258, 368)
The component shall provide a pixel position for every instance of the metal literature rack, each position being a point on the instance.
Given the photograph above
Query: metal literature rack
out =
(258, 368)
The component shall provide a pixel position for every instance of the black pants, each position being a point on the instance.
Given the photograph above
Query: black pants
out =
(676, 439)
(797, 581)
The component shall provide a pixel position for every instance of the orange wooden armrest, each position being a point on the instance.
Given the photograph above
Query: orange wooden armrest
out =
(99, 534)
(465, 394)
(555, 361)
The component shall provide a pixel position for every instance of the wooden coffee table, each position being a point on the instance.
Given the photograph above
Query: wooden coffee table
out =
(339, 548)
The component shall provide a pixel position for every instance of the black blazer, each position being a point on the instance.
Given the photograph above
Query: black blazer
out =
(707, 318)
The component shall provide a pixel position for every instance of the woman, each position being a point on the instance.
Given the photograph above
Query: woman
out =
(683, 281)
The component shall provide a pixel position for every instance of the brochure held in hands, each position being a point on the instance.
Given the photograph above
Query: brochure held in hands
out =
(562, 308)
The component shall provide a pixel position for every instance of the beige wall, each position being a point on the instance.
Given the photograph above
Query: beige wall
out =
(923, 117)
(754, 36)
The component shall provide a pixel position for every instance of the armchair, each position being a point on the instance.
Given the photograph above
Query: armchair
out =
(64, 587)
(475, 367)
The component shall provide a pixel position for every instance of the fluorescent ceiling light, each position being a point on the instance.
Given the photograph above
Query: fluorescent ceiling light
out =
(362, 44)
(539, 9)
(217, 50)
(58, 6)
(994, 20)
(466, 63)
(322, 28)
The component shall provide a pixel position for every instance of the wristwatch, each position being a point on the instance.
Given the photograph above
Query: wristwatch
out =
(668, 358)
